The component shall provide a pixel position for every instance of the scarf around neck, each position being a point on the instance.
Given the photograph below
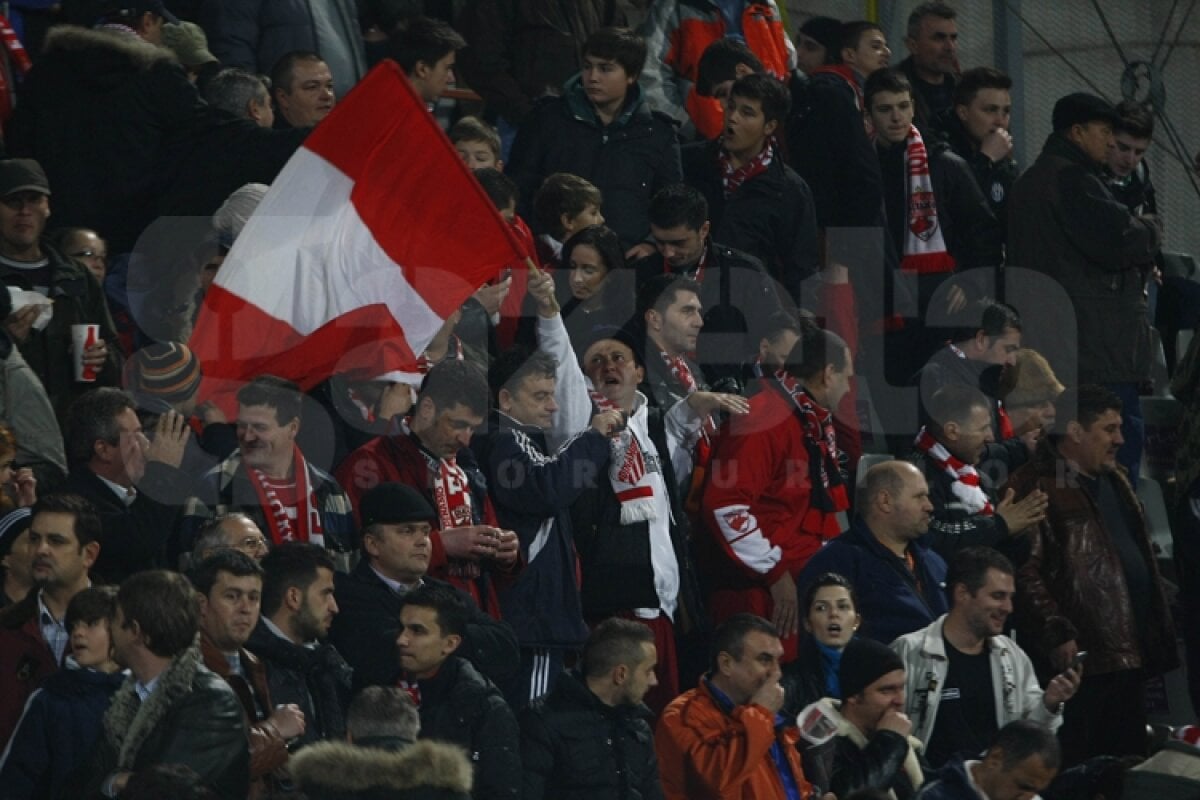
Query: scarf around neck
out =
(627, 470)
(307, 526)
(828, 484)
(966, 488)
(733, 177)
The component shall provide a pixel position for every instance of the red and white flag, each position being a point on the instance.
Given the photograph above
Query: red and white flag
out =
(371, 236)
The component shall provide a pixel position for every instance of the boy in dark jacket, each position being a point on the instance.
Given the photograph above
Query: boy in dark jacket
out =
(601, 129)
(757, 204)
(62, 719)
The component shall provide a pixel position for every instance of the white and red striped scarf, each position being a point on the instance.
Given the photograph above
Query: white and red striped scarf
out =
(733, 177)
(924, 246)
(966, 479)
(827, 482)
(627, 470)
(708, 427)
(307, 527)
(451, 499)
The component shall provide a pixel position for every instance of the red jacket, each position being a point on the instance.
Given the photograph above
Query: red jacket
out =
(677, 34)
(396, 458)
(25, 661)
(755, 504)
(706, 752)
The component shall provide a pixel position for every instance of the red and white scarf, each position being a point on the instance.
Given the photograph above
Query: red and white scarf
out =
(307, 526)
(966, 480)
(700, 265)
(683, 376)
(924, 246)
(733, 177)
(828, 494)
(451, 499)
(627, 470)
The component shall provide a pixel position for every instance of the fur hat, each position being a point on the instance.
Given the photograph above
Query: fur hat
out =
(1029, 381)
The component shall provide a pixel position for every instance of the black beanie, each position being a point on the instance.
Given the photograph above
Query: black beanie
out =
(865, 661)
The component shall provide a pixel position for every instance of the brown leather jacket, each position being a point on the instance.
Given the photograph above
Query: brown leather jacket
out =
(1073, 585)
(268, 752)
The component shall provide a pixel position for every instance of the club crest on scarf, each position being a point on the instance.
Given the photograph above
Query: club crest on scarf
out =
(922, 219)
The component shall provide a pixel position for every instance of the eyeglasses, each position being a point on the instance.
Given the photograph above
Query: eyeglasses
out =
(252, 544)
(89, 254)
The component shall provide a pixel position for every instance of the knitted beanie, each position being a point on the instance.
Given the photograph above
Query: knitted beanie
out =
(165, 370)
(865, 661)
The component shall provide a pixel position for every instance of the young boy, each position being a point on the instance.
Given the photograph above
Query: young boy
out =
(477, 143)
(756, 203)
(63, 719)
(602, 130)
(565, 205)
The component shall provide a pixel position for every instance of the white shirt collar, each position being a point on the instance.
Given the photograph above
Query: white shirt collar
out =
(126, 496)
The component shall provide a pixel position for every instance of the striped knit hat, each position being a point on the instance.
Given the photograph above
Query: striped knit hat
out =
(165, 370)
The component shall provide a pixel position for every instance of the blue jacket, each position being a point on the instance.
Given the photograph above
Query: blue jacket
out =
(56, 734)
(889, 599)
(951, 783)
(532, 493)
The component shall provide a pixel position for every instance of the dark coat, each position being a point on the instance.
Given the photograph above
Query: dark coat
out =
(191, 718)
(1073, 584)
(254, 34)
(460, 706)
(952, 526)
(879, 765)
(77, 299)
(771, 216)
(134, 537)
(628, 160)
(318, 680)
(425, 770)
(994, 178)
(969, 229)
(829, 147)
(575, 747)
(26, 661)
(528, 486)
(927, 111)
(1064, 223)
(106, 173)
(889, 598)
(268, 752)
(951, 783)
(738, 297)
(56, 733)
(368, 623)
(521, 50)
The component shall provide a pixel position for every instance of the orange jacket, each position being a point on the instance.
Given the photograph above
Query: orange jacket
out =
(707, 753)
(677, 33)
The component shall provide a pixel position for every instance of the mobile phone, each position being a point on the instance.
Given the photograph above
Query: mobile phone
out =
(1079, 658)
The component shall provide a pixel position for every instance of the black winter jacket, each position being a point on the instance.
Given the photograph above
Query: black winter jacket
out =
(575, 747)
(318, 680)
(78, 299)
(191, 718)
(460, 706)
(771, 216)
(628, 160)
(367, 624)
(879, 766)
(1065, 223)
(132, 99)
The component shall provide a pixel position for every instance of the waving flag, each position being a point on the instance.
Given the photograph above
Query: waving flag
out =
(372, 235)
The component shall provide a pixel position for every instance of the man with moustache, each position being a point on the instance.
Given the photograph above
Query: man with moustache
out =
(1091, 582)
(965, 679)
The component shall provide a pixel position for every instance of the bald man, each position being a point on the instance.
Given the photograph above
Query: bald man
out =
(900, 583)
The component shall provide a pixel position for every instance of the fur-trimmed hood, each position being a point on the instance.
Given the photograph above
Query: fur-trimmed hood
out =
(342, 769)
(102, 56)
(129, 722)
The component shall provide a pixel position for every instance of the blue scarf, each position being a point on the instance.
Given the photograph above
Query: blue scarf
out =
(831, 660)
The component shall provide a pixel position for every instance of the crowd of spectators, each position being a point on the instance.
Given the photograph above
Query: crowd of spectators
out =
(748, 483)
